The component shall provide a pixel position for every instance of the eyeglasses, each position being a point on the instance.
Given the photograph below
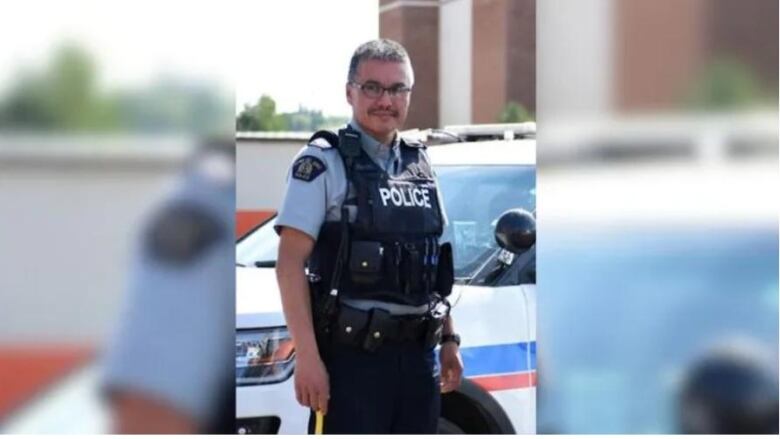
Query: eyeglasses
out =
(374, 90)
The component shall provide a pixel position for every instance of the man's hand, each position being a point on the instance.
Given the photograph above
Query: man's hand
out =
(451, 367)
(134, 412)
(312, 387)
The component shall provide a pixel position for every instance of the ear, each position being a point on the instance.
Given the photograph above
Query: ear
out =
(349, 95)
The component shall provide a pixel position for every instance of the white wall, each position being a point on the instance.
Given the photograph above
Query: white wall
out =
(455, 31)
(261, 171)
(67, 227)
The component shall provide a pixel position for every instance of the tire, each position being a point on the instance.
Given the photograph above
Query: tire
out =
(448, 427)
(471, 410)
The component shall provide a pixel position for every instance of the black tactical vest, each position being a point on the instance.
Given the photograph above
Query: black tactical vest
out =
(393, 247)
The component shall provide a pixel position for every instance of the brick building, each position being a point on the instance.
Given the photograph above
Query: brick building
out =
(472, 57)
(664, 46)
(459, 46)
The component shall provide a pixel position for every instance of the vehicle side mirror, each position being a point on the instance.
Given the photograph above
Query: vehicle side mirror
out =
(516, 230)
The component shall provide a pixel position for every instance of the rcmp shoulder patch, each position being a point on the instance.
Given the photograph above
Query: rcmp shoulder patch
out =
(307, 168)
(180, 233)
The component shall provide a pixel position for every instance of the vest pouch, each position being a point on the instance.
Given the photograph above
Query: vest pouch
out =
(433, 332)
(380, 328)
(366, 262)
(445, 270)
(324, 308)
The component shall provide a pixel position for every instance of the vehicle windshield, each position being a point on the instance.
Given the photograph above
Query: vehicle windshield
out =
(474, 198)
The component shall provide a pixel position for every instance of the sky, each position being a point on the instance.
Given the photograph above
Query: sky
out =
(306, 58)
(296, 51)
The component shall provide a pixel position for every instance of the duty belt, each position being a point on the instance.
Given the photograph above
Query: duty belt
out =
(370, 329)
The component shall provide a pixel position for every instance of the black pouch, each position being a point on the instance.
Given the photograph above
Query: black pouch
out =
(380, 328)
(324, 308)
(434, 332)
(445, 271)
(365, 262)
(350, 326)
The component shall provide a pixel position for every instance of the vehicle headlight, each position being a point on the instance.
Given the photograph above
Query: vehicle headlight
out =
(264, 356)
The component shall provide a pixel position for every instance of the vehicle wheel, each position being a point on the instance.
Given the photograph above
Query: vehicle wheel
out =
(449, 427)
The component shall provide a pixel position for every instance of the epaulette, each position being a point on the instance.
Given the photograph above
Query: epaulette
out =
(324, 139)
(413, 143)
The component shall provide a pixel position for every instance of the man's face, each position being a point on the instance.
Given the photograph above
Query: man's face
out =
(380, 116)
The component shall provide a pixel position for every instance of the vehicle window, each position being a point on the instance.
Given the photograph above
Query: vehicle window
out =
(474, 198)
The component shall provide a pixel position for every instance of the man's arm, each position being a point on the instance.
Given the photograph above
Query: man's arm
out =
(449, 326)
(451, 362)
(138, 413)
(149, 386)
(311, 378)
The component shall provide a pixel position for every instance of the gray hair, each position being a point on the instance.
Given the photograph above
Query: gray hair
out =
(380, 50)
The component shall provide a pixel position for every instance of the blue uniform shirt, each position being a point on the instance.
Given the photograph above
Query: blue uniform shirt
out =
(177, 328)
(308, 202)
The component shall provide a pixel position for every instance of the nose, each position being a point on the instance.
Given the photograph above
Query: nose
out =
(384, 99)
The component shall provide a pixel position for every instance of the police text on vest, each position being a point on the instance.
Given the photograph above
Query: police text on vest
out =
(406, 197)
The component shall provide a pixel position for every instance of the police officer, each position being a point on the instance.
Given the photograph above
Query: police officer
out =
(363, 214)
(169, 367)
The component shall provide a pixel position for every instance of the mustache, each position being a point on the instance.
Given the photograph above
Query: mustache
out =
(384, 111)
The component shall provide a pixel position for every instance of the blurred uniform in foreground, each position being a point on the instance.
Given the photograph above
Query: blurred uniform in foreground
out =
(168, 369)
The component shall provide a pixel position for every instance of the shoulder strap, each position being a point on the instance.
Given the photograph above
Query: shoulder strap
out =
(347, 142)
(348, 150)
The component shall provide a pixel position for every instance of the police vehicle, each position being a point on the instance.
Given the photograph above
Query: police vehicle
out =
(486, 173)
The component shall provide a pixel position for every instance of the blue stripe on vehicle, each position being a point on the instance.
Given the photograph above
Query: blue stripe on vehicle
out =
(498, 359)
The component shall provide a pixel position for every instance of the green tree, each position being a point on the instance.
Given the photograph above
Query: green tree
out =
(728, 84)
(261, 117)
(71, 88)
(62, 97)
(515, 112)
(304, 119)
(26, 105)
(171, 105)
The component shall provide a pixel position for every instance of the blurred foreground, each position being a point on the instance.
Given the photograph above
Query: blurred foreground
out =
(89, 162)
(658, 232)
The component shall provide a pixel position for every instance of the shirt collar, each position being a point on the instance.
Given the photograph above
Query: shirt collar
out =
(370, 144)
